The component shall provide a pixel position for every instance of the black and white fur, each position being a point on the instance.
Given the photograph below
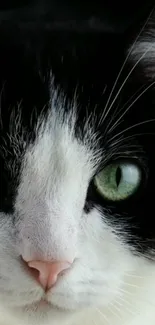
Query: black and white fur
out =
(57, 130)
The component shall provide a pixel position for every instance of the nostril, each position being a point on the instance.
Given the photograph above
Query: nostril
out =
(32, 272)
(35, 273)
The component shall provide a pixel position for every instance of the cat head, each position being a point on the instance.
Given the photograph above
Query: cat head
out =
(77, 171)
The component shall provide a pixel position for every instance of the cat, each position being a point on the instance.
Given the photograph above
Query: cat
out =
(77, 232)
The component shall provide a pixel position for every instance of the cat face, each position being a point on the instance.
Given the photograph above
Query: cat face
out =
(76, 173)
(58, 186)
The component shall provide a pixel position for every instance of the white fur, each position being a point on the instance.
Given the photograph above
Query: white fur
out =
(107, 284)
(143, 49)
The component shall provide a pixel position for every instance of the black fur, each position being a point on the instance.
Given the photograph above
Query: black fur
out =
(84, 55)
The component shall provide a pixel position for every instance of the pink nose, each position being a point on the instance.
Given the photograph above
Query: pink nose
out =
(47, 272)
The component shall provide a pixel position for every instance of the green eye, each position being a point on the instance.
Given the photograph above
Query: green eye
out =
(118, 181)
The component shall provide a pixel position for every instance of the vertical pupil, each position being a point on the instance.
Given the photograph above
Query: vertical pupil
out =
(118, 175)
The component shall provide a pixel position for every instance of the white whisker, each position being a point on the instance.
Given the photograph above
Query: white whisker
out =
(123, 301)
(104, 317)
(126, 292)
(142, 93)
(129, 100)
(131, 127)
(117, 309)
(116, 143)
(131, 312)
(112, 118)
(126, 79)
(135, 276)
(121, 70)
(131, 285)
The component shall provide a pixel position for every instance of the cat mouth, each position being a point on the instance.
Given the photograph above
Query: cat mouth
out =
(42, 305)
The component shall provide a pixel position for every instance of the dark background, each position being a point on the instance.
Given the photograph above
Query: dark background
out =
(111, 15)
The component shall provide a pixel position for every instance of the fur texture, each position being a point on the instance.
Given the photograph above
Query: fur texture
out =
(62, 122)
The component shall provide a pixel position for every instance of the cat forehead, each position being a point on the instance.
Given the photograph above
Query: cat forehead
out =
(55, 164)
(57, 149)
(53, 153)
(55, 140)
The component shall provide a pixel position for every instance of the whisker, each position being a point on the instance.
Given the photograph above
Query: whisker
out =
(131, 127)
(122, 139)
(125, 292)
(117, 309)
(128, 101)
(112, 118)
(126, 79)
(123, 65)
(136, 276)
(131, 285)
(123, 301)
(126, 308)
(133, 96)
(139, 96)
(113, 304)
(105, 318)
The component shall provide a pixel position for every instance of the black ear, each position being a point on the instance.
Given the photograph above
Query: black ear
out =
(114, 16)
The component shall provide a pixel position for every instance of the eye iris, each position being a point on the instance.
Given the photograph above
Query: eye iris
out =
(118, 181)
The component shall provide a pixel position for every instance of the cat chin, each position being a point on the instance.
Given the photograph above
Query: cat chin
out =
(40, 313)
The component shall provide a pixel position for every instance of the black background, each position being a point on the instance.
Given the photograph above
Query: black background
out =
(115, 16)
